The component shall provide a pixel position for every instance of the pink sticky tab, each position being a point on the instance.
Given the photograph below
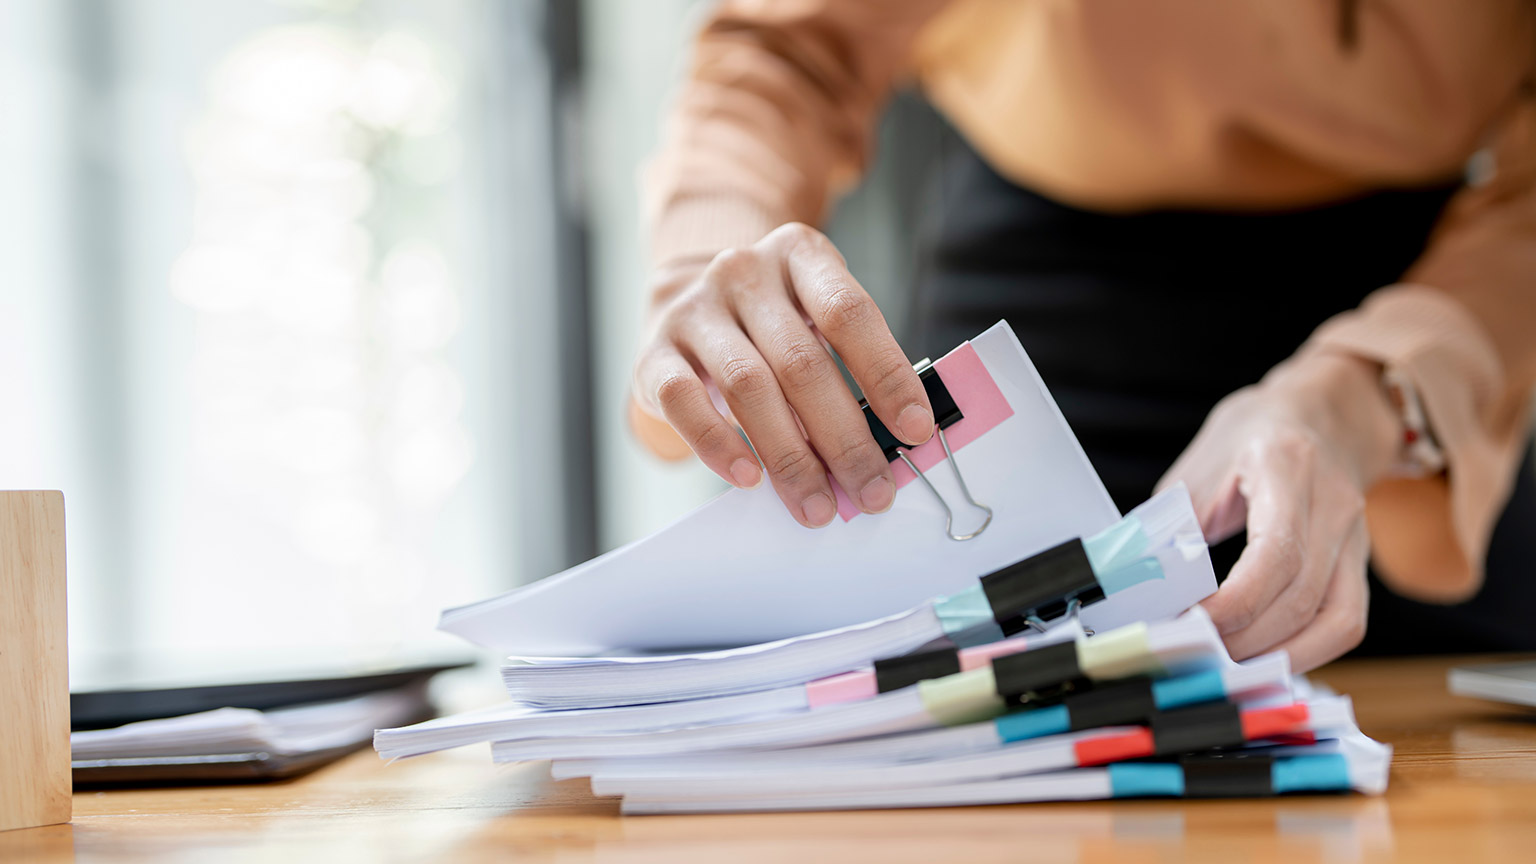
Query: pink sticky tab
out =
(981, 405)
(847, 687)
(978, 656)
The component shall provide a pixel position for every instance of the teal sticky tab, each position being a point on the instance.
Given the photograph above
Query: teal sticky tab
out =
(1134, 573)
(1117, 545)
(1325, 772)
(1116, 555)
(1036, 723)
(982, 634)
(1140, 779)
(964, 610)
(1184, 690)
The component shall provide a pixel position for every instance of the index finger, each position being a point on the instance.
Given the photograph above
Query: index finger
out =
(1279, 496)
(853, 325)
(1340, 625)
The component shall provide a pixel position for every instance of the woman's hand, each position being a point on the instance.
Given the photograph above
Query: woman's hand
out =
(751, 322)
(1291, 458)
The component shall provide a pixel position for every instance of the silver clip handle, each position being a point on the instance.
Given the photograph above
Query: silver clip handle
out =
(949, 514)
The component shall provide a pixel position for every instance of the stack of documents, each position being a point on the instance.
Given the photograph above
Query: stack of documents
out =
(237, 743)
(1059, 654)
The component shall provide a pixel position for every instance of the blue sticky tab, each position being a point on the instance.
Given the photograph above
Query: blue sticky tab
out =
(1321, 773)
(963, 610)
(1184, 690)
(1037, 723)
(1140, 779)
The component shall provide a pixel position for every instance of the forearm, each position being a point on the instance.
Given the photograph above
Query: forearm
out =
(774, 118)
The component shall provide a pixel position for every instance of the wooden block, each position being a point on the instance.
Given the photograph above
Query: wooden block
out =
(34, 663)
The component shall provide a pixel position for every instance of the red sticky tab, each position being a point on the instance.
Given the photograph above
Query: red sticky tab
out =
(1293, 739)
(1270, 722)
(1114, 748)
(982, 406)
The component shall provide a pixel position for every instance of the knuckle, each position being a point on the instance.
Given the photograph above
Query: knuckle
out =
(891, 379)
(711, 438)
(853, 452)
(684, 312)
(1231, 404)
(1301, 446)
(732, 266)
(745, 380)
(1352, 630)
(804, 365)
(1234, 612)
(844, 308)
(797, 232)
(795, 465)
(1226, 405)
(673, 390)
(1284, 553)
(1244, 610)
(1254, 455)
(1305, 599)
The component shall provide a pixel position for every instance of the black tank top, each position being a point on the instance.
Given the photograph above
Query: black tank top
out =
(1140, 323)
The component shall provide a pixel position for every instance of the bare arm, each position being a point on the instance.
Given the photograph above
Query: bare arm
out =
(774, 118)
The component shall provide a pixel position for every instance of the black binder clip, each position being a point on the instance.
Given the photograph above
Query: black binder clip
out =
(1197, 728)
(1239, 774)
(1045, 586)
(945, 414)
(1038, 677)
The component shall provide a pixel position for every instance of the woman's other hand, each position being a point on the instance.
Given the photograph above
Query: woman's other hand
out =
(751, 322)
(1290, 459)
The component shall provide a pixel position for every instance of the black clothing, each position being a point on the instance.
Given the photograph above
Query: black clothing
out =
(1140, 323)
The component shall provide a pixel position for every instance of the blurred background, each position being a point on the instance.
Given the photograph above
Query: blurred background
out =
(320, 312)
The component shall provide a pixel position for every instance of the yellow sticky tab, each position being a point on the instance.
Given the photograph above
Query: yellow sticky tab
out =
(965, 697)
(1120, 653)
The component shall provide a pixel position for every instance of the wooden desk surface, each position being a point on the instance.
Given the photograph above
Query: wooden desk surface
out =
(1463, 790)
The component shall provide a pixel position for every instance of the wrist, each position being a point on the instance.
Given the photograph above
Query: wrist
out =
(1342, 397)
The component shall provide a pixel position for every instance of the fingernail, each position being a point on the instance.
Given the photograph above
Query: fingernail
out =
(915, 424)
(877, 495)
(818, 509)
(746, 474)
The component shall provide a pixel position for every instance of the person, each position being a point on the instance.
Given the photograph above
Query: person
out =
(1283, 252)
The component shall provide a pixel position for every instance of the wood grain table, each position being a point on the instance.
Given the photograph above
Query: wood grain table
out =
(1463, 791)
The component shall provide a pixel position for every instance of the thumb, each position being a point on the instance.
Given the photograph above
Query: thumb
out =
(1224, 513)
(1220, 506)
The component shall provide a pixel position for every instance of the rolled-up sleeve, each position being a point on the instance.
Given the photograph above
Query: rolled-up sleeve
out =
(775, 116)
(1462, 327)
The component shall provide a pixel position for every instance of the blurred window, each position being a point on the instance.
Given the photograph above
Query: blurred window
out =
(277, 279)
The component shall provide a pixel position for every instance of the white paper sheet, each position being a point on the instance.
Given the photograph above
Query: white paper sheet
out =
(740, 570)
(279, 731)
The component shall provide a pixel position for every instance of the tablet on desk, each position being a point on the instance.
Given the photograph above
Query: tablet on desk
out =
(1500, 682)
(111, 691)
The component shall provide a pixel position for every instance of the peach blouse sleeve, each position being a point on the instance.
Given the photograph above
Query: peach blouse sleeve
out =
(775, 117)
(1462, 326)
